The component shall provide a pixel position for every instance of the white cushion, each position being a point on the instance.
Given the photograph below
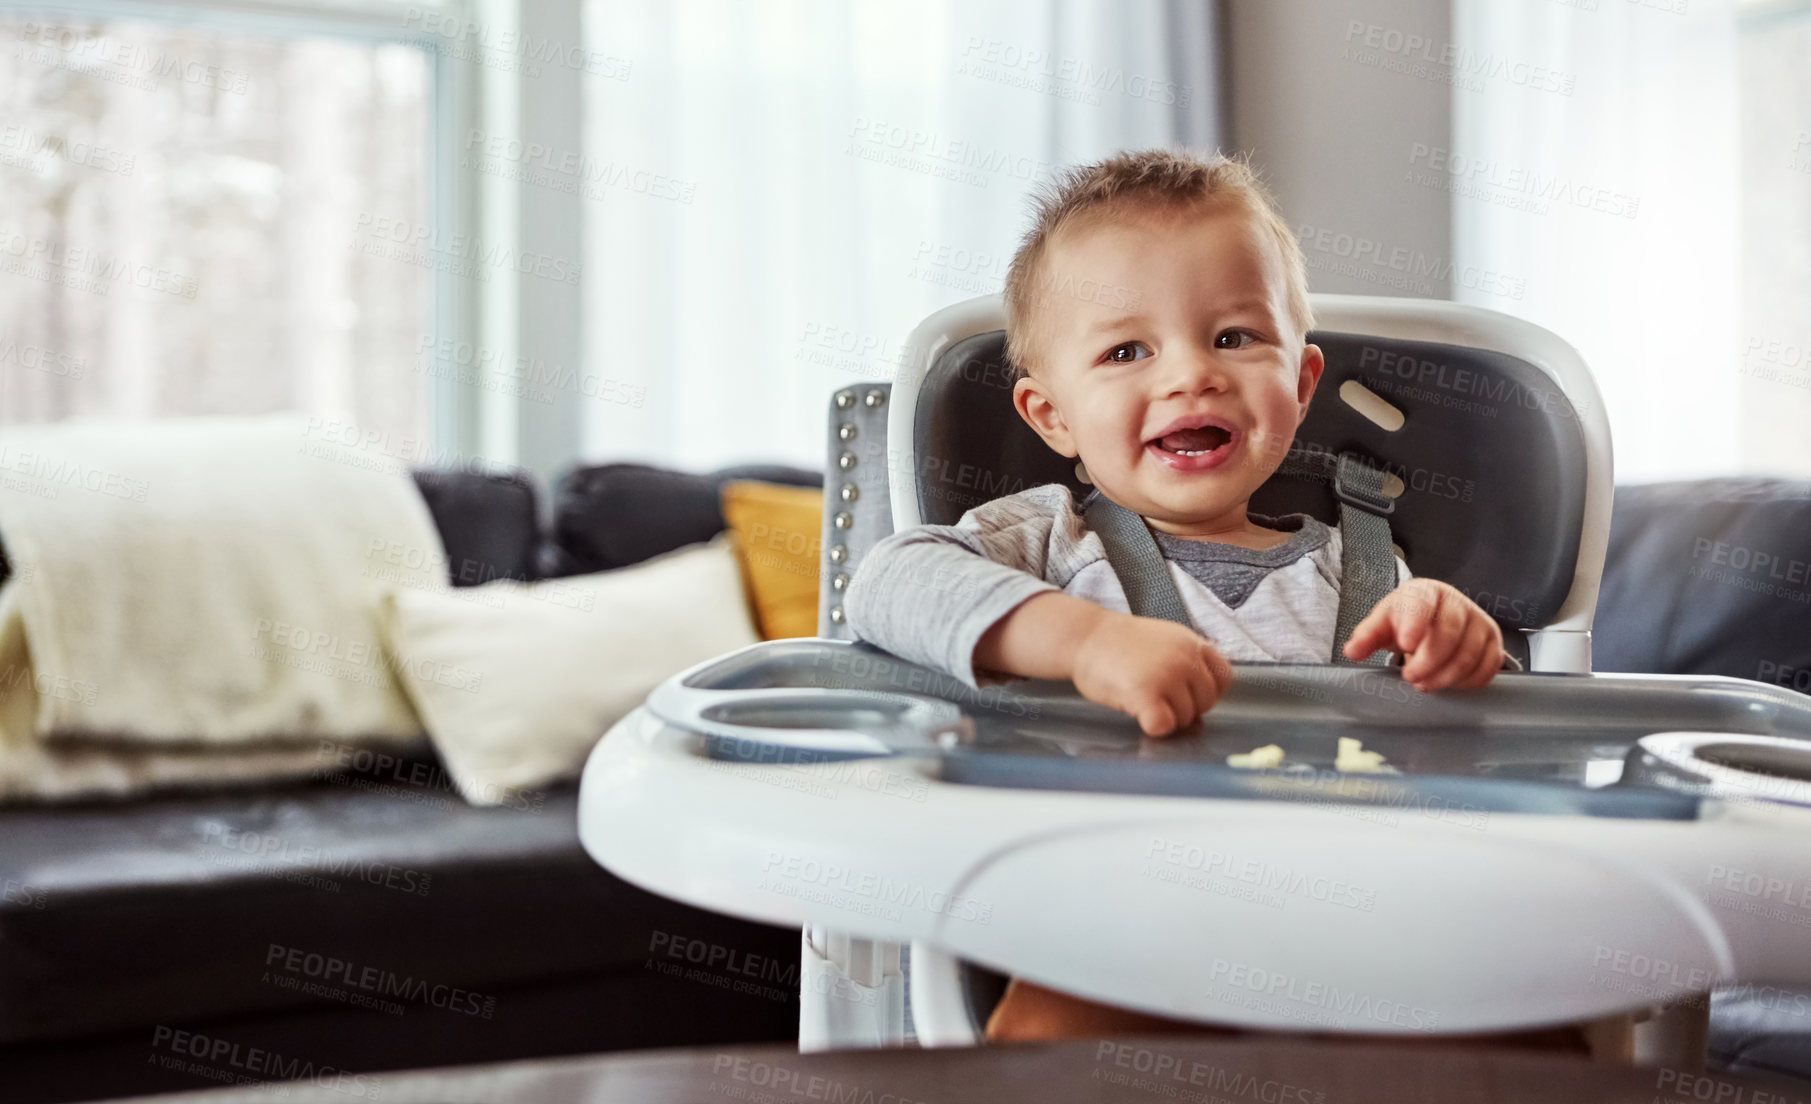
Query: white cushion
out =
(515, 682)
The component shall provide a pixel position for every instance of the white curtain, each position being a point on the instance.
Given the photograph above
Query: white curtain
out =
(1619, 203)
(787, 187)
(1773, 44)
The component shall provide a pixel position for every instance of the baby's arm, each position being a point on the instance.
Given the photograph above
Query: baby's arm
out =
(975, 596)
(928, 593)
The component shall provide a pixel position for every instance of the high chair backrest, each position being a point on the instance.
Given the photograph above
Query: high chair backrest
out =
(1492, 428)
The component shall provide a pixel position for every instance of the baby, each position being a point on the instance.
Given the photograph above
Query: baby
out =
(1181, 393)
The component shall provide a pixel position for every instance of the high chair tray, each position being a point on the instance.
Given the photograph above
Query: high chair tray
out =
(1559, 744)
(1554, 848)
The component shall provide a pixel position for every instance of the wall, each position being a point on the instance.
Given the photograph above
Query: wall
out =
(1337, 103)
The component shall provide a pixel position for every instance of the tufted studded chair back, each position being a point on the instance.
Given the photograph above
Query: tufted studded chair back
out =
(857, 513)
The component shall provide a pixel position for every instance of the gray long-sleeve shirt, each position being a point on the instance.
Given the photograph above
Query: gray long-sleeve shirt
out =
(929, 593)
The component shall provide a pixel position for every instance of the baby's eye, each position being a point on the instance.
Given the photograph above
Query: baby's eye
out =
(1128, 352)
(1235, 339)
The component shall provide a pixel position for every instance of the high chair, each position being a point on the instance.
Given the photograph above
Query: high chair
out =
(1553, 848)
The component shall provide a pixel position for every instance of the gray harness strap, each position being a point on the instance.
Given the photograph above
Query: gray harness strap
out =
(1367, 562)
(1133, 553)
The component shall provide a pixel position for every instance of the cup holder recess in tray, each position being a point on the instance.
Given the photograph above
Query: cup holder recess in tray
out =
(802, 719)
(1737, 766)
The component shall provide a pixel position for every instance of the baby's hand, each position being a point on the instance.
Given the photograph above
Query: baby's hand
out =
(1447, 639)
(1162, 673)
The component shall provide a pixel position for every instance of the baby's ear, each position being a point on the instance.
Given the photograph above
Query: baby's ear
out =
(1038, 408)
(1308, 377)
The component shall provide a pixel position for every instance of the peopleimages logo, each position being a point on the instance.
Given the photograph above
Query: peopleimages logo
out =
(30, 151)
(1710, 1089)
(571, 171)
(1410, 52)
(424, 245)
(268, 848)
(22, 894)
(718, 956)
(1067, 77)
(1264, 875)
(821, 774)
(49, 685)
(112, 58)
(1475, 382)
(1781, 674)
(509, 49)
(1154, 1071)
(87, 269)
(1658, 974)
(412, 780)
(226, 1061)
(875, 672)
(1784, 569)
(1531, 184)
(1316, 1001)
(52, 474)
(771, 1081)
(953, 158)
(529, 377)
(366, 661)
(39, 359)
(830, 878)
(1326, 249)
(331, 970)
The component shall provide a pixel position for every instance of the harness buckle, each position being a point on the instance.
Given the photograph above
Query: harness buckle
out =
(1352, 494)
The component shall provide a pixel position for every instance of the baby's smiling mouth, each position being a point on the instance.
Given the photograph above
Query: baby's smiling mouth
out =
(1198, 441)
(1194, 443)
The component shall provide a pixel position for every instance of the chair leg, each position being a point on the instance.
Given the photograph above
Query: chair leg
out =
(1674, 1034)
(851, 992)
(1612, 1039)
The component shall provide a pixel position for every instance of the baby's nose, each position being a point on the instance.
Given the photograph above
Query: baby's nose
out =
(1197, 369)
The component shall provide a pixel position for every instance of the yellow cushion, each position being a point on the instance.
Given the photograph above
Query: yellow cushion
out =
(779, 538)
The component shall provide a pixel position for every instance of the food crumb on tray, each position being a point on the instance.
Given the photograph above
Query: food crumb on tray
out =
(1268, 757)
(1352, 759)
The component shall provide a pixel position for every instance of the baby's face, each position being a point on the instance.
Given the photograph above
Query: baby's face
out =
(1184, 397)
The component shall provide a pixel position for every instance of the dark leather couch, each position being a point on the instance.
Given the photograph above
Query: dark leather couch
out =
(370, 919)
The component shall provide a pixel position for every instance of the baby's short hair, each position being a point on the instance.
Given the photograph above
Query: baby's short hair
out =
(1135, 179)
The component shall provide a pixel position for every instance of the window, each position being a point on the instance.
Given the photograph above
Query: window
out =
(208, 223)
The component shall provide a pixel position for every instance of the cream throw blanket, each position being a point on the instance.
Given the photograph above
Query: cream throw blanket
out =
(197, 600)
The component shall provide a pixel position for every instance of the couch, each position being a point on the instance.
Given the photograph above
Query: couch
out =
(369, 919)
(135, 957)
